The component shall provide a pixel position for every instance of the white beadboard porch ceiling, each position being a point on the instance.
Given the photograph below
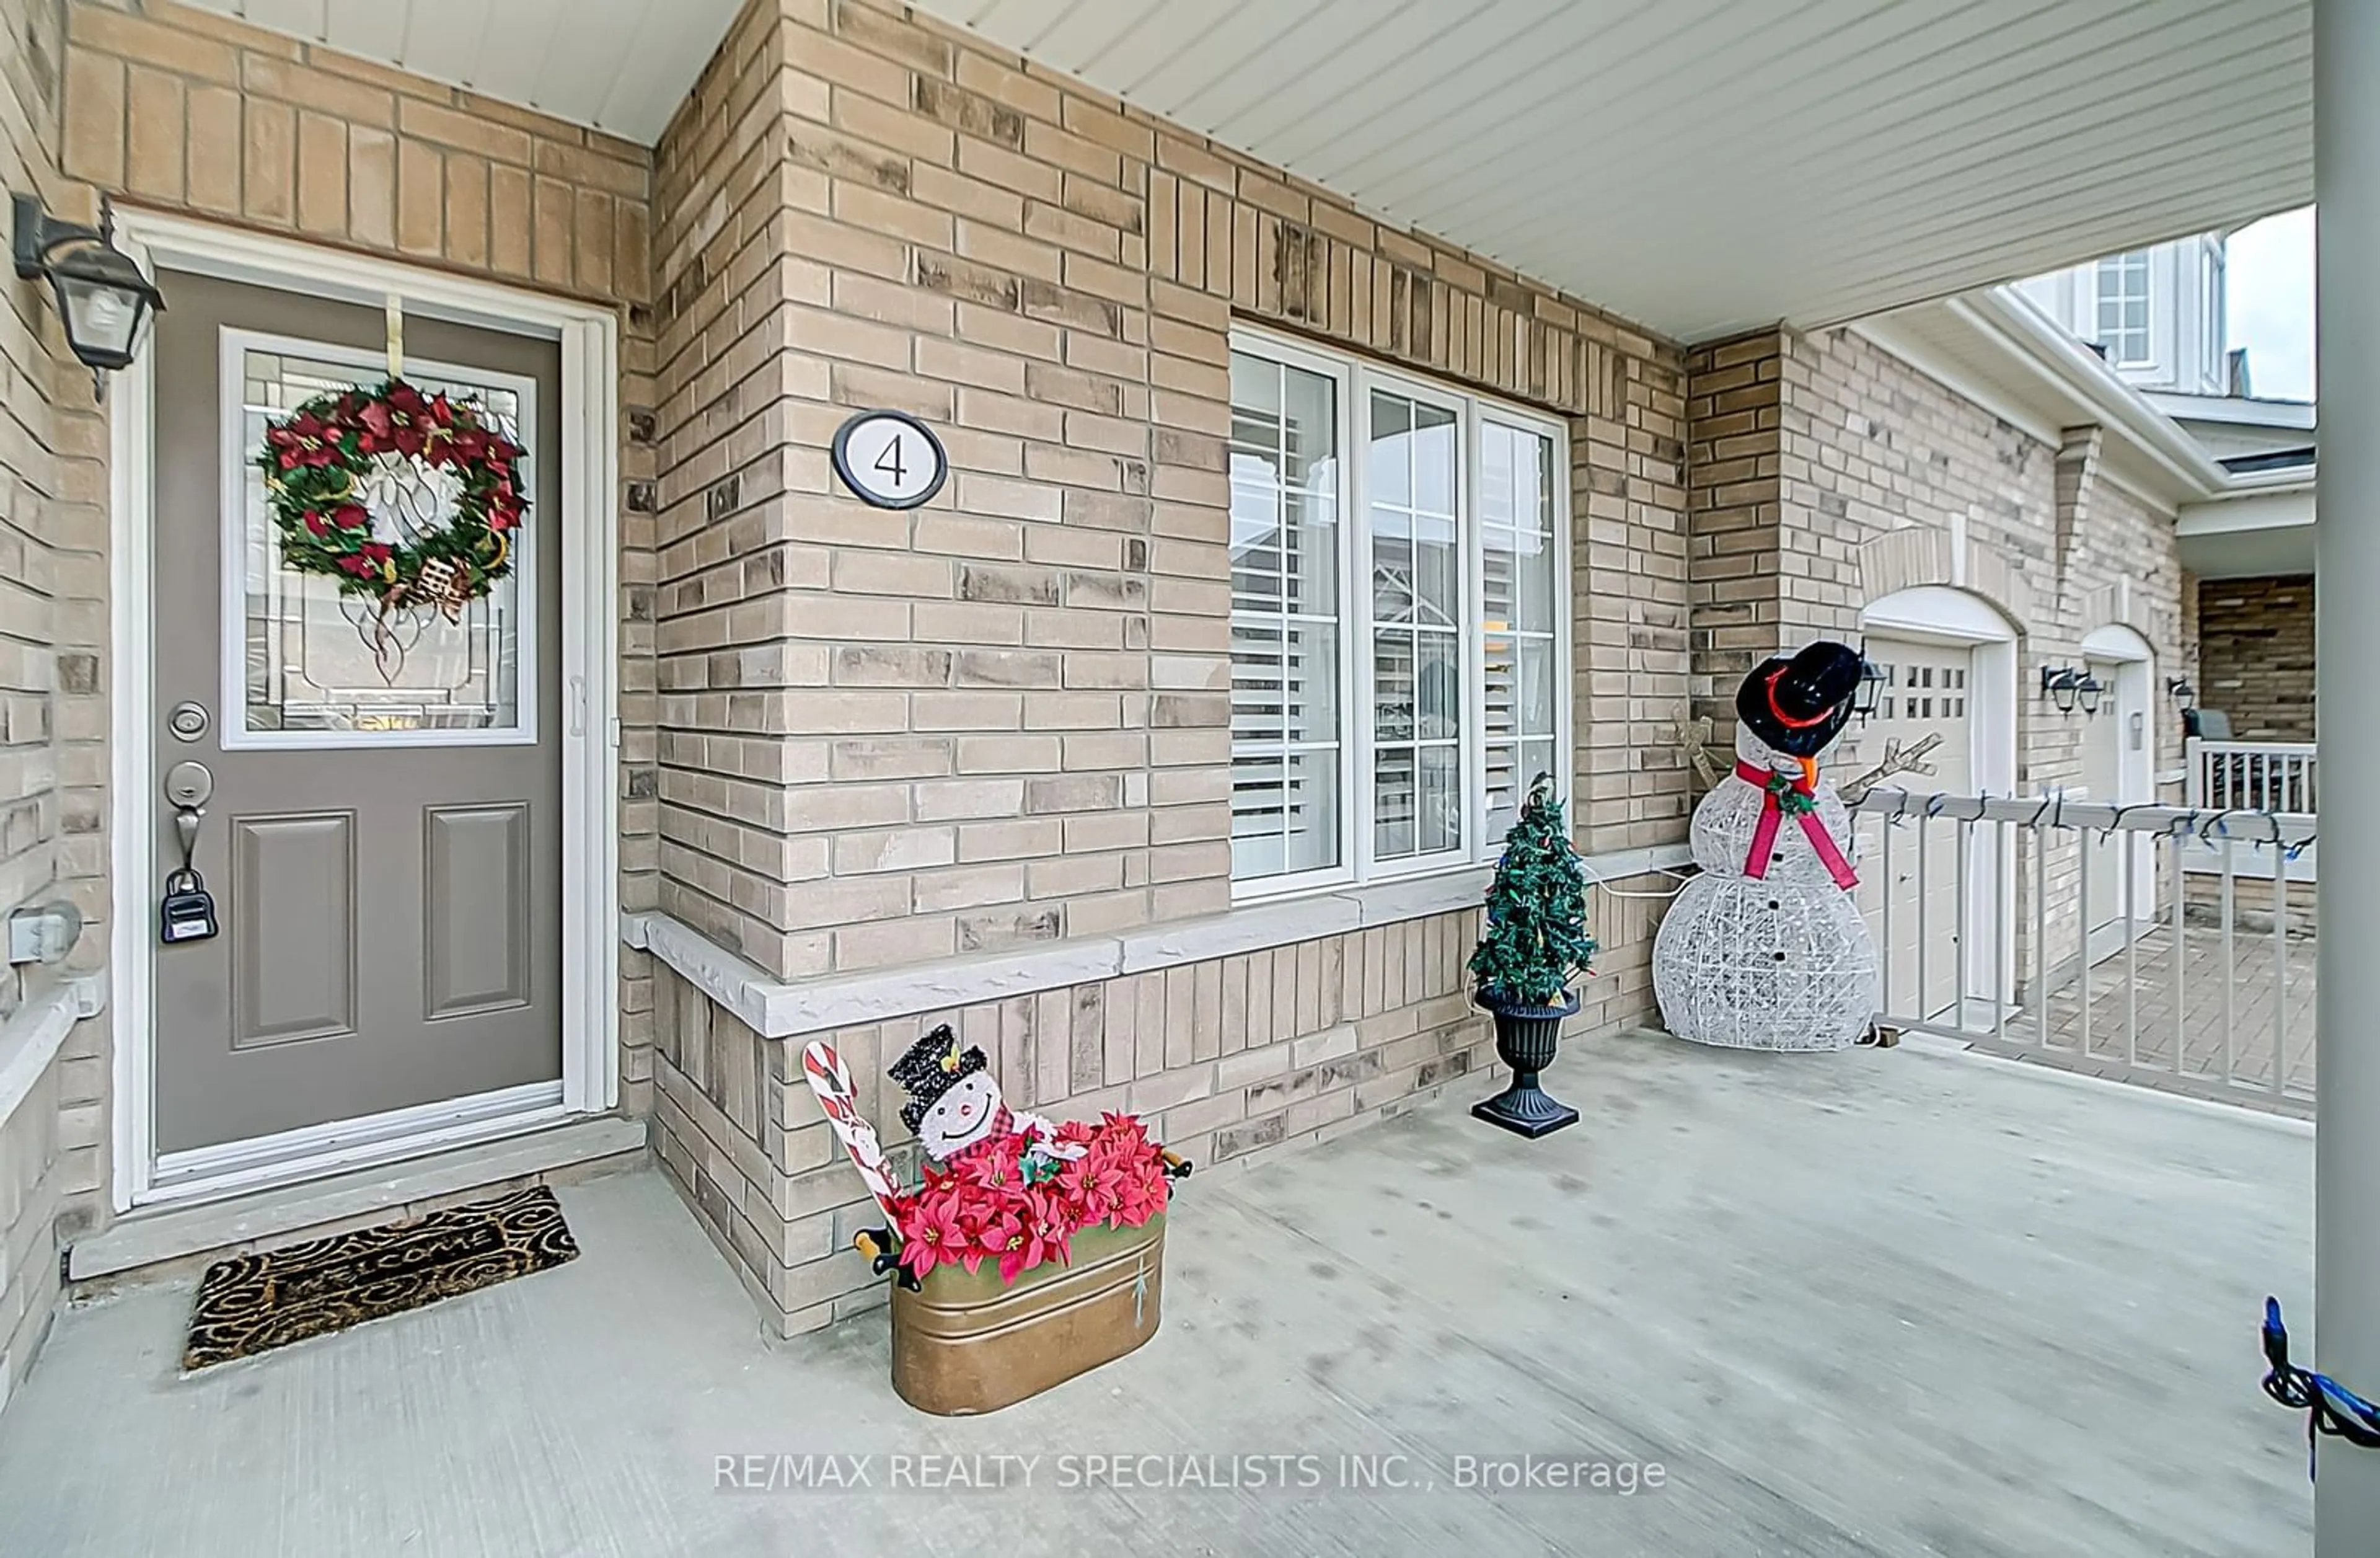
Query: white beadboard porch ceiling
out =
(1707, 165)
(621, 65)
(1698, 165)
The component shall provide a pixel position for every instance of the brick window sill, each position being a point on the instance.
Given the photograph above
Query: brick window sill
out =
(777, 1008)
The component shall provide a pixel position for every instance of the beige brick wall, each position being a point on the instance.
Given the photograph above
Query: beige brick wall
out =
(1225, 1059)
(2257, 655)
(49, 810)
(180, 110)
(1872, 470)
(1735, 399)
(1001, 719)
(1792, 535)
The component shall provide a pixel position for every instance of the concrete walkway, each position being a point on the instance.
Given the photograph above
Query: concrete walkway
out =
(1878, 1303)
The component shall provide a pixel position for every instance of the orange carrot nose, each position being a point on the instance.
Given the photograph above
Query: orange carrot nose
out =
(1809, 773)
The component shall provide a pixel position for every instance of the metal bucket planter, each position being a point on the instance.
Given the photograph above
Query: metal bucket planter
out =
(1526, 1037)
(965, 1341)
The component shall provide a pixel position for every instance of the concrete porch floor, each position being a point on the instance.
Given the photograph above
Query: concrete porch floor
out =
(1879, 1303)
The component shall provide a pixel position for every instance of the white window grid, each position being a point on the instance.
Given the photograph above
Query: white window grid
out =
(1361, 860)
(2123, 308)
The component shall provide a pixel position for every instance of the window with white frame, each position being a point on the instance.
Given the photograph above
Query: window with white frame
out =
(2123, 285)
(1399, 618)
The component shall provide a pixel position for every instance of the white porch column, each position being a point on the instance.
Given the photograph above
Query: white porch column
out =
(2347, 648)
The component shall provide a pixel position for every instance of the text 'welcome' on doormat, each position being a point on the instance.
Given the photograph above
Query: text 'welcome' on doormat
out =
(253, 1303)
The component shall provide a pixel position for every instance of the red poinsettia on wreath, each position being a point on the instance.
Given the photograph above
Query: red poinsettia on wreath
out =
(319, 462)
(992, 1205)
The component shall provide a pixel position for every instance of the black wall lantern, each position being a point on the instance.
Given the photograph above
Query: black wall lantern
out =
(104, 299)
(1871, 688)
(2180, 690)
(2062, 685)
(2069, 689)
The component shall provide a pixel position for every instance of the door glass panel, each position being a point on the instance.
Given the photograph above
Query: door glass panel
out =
(318, 669)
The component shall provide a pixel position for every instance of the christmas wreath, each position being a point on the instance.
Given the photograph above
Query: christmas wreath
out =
(326, 464)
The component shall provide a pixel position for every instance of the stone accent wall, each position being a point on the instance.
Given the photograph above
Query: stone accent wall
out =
(50, 529)
(1226, 1059)
(1000, 719)
(2257, 655)
(181, 110)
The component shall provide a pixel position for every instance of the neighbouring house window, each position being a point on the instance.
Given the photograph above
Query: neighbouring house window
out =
(1399, 640)
(2124, 307)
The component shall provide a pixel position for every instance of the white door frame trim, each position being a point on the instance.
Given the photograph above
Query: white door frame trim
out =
(588, 460)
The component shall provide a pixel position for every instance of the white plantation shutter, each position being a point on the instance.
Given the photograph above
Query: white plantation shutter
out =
(1415, 459)
(1520, 613)
(1399, 618)
(1285, 641)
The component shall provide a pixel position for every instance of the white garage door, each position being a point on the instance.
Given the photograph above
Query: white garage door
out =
(1928, 691)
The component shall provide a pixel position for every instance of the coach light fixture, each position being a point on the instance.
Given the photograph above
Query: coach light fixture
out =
(2062, 685)
(2180, 690)
(1871, 688)
(2089, 692)
(103, 299)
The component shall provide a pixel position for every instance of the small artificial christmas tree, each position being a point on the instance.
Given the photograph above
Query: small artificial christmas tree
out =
(1536, 911)
(1535, 940)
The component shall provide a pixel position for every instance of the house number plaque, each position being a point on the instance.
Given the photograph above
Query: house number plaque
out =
(890, 459)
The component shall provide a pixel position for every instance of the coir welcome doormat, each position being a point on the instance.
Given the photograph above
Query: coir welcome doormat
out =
(254, 1303)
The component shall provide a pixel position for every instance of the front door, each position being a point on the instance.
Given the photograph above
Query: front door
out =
(2116, 770)
(383, 839)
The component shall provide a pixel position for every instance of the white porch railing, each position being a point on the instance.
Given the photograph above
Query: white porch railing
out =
(2251, 776)
(2097, 938)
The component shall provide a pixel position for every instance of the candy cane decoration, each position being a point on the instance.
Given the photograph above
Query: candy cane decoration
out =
(831, 1082)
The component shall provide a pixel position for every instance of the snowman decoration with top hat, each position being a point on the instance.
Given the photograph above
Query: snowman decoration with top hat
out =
(955, 1106)
(1765, 950)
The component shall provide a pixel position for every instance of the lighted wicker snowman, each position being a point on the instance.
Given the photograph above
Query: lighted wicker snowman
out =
(1766, 949)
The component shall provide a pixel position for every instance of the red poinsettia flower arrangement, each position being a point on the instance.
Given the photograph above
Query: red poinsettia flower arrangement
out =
(316, 461)
(988, 1207)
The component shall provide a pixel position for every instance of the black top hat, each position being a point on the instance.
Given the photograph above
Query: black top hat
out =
(1798, 706)
(933, 1066)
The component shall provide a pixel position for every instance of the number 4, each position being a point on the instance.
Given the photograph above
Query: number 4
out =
(890, 462)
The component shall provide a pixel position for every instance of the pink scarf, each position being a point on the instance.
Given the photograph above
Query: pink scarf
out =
(1780, 795)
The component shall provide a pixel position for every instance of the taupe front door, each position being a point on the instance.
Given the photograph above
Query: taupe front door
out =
(383, 836)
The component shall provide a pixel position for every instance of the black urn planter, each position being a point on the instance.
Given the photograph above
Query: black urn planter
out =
(1525, 1040)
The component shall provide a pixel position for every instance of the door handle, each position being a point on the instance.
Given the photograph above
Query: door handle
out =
(188, 786)
(188, 912)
